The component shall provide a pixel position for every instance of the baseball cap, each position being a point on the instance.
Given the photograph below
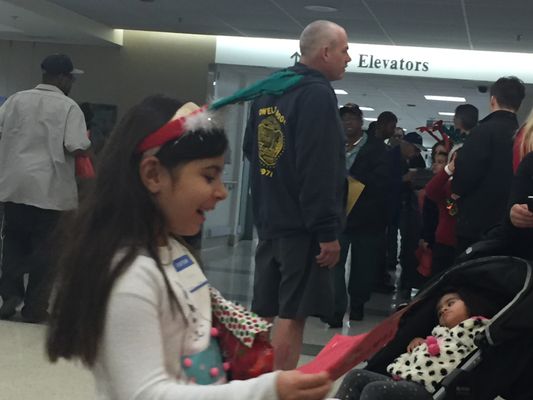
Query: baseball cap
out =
(57, 64)
(414, 139)
(351, 108)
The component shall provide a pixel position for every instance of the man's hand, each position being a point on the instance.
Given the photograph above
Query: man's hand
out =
(520, 216)
(294, 385)
(329, 254)
(408, 177)
(414, 344)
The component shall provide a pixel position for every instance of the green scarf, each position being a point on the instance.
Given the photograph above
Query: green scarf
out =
(276, 84)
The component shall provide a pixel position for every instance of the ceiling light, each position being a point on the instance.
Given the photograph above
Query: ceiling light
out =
(324, 9)
(366, 109)
(446, 113)
(445, 98)
(370, 119)
(340, 91)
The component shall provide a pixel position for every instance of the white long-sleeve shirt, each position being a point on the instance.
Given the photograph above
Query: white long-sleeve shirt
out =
(143, 340)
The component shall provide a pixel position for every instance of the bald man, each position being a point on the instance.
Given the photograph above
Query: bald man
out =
(295, 144)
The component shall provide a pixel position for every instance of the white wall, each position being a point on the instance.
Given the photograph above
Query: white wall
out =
(225, 219)
(148, 63)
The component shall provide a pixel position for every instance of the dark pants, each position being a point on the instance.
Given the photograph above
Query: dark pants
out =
(392, 247)
(442, 259)
(463, 243)
(366, 248)
(410, 222)
(388, 256)
(26, 249)
(360, 384)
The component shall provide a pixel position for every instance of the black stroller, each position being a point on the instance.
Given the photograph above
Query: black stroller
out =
(503, 364)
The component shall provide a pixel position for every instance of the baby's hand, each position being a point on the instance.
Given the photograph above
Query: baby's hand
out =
(414, 344)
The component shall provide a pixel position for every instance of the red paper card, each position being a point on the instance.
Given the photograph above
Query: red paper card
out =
(342, 353)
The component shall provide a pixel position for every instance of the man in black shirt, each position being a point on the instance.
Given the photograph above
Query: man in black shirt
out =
(484, 168)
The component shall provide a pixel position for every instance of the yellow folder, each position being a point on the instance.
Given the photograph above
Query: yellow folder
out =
(355, 188)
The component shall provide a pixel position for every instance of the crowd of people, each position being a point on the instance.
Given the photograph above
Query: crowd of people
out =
(130, 298)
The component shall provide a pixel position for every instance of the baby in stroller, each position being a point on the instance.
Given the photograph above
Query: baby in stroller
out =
(462, 313)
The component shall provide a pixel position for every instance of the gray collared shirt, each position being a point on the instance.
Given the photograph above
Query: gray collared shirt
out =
(40, 129)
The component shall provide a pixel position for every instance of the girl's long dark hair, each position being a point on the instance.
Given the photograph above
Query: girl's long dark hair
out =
(116, 219)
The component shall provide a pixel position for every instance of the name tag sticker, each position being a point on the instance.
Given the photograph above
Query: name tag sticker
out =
(182, 262)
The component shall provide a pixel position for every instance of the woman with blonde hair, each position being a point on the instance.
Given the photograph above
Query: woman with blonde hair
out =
(523, 143)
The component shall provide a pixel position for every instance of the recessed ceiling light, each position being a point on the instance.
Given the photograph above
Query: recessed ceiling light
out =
(446, 113)
(324, 9)
(370, 119)
(445, 98)
(366, 109)
(340, 91)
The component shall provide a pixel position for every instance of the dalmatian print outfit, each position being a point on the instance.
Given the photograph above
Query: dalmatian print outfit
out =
(441, 353)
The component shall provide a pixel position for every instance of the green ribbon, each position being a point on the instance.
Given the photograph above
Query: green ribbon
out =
(276, 84)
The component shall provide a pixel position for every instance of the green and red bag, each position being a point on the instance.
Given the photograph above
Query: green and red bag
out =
(243, 337)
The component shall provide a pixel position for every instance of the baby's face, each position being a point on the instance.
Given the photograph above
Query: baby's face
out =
(451, 310)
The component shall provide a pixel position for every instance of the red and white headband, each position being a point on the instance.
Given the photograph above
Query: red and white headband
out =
(188, 118)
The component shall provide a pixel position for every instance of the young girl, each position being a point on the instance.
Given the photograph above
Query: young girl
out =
(439, 190)
(415, 374)
(132, 302)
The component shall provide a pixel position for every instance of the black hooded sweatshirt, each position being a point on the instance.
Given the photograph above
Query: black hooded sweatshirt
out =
(295, 144)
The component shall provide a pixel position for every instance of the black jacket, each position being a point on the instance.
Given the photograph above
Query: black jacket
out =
(370, 167)
(521, 239)
(483, 174)
(295, 144)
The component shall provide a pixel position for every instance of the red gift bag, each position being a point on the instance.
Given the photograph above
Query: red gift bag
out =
(243, 337)
(84, 167)
(424, 255)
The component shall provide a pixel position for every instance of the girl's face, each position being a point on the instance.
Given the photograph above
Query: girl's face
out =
(439, 163)
(188, 192)
(451, 310)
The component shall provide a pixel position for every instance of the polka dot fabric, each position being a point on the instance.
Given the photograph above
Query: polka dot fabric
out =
(243, 324)
(429, 366)
(243, 338)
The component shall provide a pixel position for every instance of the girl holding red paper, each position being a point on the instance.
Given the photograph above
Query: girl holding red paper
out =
(132, 302)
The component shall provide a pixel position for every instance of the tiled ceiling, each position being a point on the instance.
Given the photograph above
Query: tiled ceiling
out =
(460, 24)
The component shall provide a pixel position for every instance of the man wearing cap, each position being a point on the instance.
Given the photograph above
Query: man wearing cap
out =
(41, 132)
(366, 163)
(295, 145)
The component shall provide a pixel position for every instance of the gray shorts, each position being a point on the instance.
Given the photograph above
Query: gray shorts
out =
(288, 282)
